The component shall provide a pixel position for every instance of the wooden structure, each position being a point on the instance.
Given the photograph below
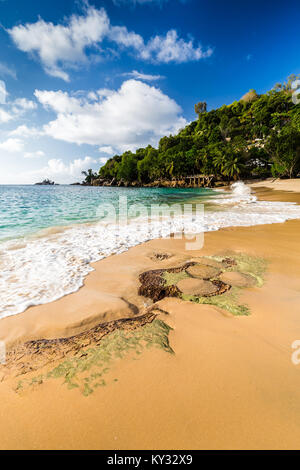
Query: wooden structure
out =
(199, 181)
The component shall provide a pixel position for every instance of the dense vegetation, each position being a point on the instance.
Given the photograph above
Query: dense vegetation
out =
(257, 136)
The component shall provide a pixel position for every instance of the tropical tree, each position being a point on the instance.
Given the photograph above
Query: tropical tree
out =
(200, 107)
(249, 137)
(128, 168)
(90, 176)
(284, 150)
(233, 167)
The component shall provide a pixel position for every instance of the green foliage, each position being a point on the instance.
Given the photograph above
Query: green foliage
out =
(200, 107)
(256, 136)
(90, 176)
(284, 150)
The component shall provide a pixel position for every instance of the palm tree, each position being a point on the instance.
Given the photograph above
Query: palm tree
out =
(219, 161)
(170, 168)
(232, 167)
(89, 176)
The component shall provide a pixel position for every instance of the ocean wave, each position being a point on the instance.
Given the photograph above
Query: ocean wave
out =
(53, 263)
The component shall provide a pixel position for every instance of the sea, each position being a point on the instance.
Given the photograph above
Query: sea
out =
(50, 235)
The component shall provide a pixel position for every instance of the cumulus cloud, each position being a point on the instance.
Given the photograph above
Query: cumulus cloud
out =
(13, 109)
(5, 116)
(55, 169)
(25, 131)
(159, 49)
(36, 154)
(107, 149)
(59, 101)
(60, 171)
(171, 48)
(12, 145)
(63, 46)
(58, 45)
(24, 104)
(133, 116)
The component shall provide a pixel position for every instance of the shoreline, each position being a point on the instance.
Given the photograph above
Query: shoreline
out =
(76, 249)
(223, 366)
(42, 321)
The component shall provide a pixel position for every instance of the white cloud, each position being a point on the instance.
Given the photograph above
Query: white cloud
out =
(25, 131)
(5, 116)
(59, 101)
(107, 149)
(103, 160)
(13, 109)
(24, 104)
(21, 106)
(60, 171)
(135, 115)
(142, 76)
(5, 70)
(159, 49)
(125, 38)
(37, 154)
(171, 48)
(12, 145)
(64, 46)
(3, 92)
(55, 169)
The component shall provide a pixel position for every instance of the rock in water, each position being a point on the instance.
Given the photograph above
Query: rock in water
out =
(202, 271)
(192, 286)
(237, 279)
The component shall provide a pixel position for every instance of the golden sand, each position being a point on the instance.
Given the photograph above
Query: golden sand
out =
(277, 184)
(231, 383)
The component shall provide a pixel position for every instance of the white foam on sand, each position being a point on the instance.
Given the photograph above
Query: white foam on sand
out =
(44, 268)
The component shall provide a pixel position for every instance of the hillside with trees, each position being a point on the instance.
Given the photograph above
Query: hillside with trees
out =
(255, 137)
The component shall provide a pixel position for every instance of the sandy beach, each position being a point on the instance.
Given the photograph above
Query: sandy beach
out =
(230, 384)
(279, 185)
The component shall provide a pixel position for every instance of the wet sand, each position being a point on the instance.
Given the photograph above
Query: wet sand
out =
(231, 383)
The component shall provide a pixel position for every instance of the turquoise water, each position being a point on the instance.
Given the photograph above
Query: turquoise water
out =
(25, 210)
(50, 235)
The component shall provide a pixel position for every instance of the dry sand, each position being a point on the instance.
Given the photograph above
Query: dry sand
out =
(279, 185)
(231, 383)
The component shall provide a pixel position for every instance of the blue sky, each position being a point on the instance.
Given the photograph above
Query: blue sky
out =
(81, 81)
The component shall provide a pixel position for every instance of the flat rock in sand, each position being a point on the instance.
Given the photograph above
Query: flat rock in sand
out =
(202, 271)
(191, 286)
(207, 262)
(237, 279)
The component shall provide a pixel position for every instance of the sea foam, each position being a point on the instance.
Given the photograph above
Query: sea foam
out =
(43, 268)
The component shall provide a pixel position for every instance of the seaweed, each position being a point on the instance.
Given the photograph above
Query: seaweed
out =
(85, 371)
(163, 283)
(227, 301)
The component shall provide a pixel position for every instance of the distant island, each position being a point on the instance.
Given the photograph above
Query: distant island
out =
(256, 137)
(46, 182)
